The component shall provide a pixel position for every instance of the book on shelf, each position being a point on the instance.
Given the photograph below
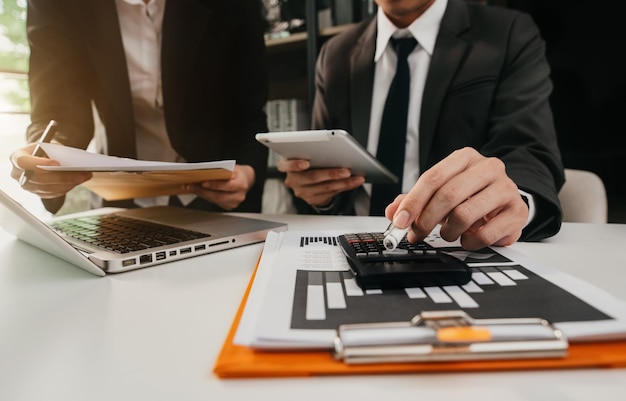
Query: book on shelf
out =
(287, 17)
(288, 115)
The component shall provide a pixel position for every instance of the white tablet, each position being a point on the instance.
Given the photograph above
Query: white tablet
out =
(328, 148)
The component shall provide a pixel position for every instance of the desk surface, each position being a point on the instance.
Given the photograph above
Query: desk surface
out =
(154, 334)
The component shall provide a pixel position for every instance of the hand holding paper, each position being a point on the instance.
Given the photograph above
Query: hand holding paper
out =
(116, 178)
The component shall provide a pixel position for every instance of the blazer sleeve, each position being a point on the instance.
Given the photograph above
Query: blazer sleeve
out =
(57, 76)
(56, 89)
(331, 81)
(521, 127)
(252, 87)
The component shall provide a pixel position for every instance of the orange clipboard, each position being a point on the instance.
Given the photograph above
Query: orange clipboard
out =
(235, 361)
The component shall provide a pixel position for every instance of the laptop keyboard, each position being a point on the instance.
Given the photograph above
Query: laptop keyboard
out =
(122, 234)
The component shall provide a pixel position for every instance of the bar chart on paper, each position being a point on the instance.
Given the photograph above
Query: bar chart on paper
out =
(500, 288)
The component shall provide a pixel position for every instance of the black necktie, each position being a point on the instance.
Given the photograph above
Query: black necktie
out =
(392, 139)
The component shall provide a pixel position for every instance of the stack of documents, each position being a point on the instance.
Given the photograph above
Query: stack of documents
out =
(303, 291)
(116, 178)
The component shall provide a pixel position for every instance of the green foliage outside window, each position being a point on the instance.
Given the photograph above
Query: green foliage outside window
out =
(13, 57)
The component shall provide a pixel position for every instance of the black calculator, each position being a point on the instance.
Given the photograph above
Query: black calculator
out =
(409, 265)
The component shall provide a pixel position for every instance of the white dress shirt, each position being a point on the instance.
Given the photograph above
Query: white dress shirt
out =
(425, 30)
(140, 24)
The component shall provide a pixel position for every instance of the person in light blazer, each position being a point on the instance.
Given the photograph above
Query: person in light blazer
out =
(171, 80)
(481, 152)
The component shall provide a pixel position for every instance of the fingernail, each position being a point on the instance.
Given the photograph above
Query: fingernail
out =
(401, 219)
(344, 174)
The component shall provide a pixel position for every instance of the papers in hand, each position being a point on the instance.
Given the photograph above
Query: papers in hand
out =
(73, 159)
(116, 178)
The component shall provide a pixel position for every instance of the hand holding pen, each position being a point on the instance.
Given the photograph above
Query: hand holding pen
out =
(46, 137)
(393, 235)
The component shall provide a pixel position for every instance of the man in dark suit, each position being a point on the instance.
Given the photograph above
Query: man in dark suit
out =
(181, 80)
(479, 127)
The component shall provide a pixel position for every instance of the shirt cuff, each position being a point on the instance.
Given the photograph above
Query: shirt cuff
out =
(530, 201)
(326, 208)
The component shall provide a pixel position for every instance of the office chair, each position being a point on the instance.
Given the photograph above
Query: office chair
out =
(583, 197)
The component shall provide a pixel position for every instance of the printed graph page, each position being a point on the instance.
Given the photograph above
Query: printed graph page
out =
(304, 289)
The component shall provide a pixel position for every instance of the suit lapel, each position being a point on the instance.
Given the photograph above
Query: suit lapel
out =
(362, 79)
(184, 25)
(102, 30)
(447, 56)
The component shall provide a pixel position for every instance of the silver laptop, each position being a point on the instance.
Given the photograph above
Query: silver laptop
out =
(105, 241)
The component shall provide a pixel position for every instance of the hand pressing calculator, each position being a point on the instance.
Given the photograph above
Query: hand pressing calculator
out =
(409, 265)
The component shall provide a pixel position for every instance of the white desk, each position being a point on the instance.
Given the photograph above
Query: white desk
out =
(154, 334)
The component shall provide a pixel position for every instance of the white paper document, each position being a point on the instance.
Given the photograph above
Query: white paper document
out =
(73, 159)
(117, 178)
(303, 289)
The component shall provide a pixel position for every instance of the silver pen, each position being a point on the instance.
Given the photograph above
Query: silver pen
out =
(393, 235)
(46, 137)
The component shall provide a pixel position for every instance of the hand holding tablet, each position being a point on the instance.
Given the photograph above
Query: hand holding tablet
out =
(328, 149)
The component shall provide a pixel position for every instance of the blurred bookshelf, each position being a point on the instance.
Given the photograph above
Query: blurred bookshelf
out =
(298, 39)
(296, 31)
(289, 64)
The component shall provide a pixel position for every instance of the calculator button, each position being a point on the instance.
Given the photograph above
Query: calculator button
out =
(395, 252)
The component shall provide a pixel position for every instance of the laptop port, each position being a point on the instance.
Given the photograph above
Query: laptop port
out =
(143, 259)
(199, 248)
(173, 253)
(185, 250)
(160, 255)
(128, 262)
(219, 243)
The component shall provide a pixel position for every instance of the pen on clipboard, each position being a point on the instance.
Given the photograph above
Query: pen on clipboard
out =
(46, 137)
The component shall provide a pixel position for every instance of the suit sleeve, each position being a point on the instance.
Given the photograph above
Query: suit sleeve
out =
(522, 130)
(343, 203)
(248, 95)
(57, 91)
(57, 76)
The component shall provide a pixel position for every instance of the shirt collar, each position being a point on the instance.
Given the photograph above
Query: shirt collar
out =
(424, 29)
(135, 2)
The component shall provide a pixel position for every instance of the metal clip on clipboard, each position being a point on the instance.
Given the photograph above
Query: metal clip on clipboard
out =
(435, 336)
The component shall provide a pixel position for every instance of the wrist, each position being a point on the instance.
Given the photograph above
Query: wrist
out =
(325, 208)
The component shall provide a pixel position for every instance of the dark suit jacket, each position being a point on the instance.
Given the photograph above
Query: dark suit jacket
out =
(487, 87)
(213, 75)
